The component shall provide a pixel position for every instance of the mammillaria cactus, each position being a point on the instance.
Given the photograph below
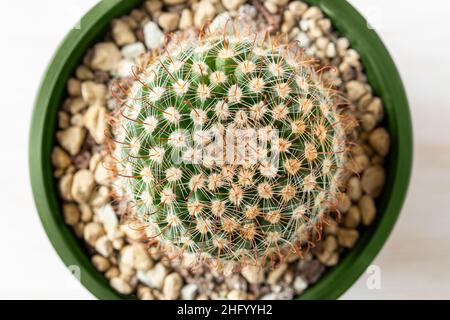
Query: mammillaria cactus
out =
(230, 148)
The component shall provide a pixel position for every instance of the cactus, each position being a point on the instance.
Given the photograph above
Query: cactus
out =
(174, 164)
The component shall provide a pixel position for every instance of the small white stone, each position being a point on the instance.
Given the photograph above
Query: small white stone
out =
(95, 121)
(232, 4)
(189, 291)
(299, 285)
(108, 218)
(121, 285)
(82, 186)
(253, 274)
(104, 246)
(205, 10)
(71, 139)
(133, 50)
(154, 278)
(106, 56)
(172, 286)
(154, 37)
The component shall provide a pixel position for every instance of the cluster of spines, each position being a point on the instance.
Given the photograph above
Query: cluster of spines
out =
(196, 202)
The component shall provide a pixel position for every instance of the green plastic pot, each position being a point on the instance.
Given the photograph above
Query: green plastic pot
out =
(382, 75)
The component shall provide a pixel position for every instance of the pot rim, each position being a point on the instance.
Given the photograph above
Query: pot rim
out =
(382, 76)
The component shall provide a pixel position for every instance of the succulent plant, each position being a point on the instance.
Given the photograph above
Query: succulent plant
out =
(230, 147)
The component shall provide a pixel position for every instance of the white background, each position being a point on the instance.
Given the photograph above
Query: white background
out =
(414, 263)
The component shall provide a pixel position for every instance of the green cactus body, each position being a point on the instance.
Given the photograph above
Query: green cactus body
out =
(195, 197)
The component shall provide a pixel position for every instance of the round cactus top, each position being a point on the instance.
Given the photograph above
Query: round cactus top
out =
(230, 147)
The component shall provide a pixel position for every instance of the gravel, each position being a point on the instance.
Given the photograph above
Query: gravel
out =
(80, 161)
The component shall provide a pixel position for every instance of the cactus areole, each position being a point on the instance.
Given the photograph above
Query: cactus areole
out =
(229, 147)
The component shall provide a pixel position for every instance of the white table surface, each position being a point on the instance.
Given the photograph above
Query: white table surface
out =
(414, 263)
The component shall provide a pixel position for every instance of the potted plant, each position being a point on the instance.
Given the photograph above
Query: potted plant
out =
(382, 77)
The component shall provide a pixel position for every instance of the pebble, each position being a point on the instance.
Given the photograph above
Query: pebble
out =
(122, 33)
(132, 51)
(104, 246)
(60, 158)
(236, 295)
(82, 186)
(84, 73)
(93, 93)
(368, 122)
(168, 21)
(232, 5)
(347, 237)
(368, 210)
(379, 140)
(136, 256)
(65, 186)
(355, 90)
(344, 202)
(154, 278)
(189, 291)
(63, 119)
(106, 56)
(375, 107)
(172, 286)
(299, 285)
(253, 274)
(102, 175)
(154, 38)
(100, 263)
(71, 139)
(331, 50)
(121, 285)
(372, 180)
(74, 87)
(93, 231)
(76, 105)
(185, 19)
(95, 120)
(297, 8)
(276, 274)
(71, 214)
(354, 190)
(313, 13)
(352, 217)
(205, 11)
(173, 2)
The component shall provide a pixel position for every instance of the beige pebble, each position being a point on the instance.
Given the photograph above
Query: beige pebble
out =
(136, 256)
(84, 73)
(153, 6)
(94, 93)
(86, 212)
(60, 158)
(93, 231)
(372, 180)
(173, 2)
(100, 263)
(154, 278)
(232, 5)
(82, 186)
(375, 107)
(355, 90)
(78, 229)
(354, 188)
(276, 273)
(313, 13)
(122, 33)
(104, 246)
(347, 237)
(368, 209)
(121, 285)
(237, 295)
(74, 87)
(63, 120)
(172, 286)
(145, 293)
(352, 218)
(185, 19)
(112, 272)
(297, 8)
(205, 11)
(71, 214)
(344, 202)
(168, 21)
(71, 139)
(65, 186)
(379, 140)
(368, 122)
(75, 105)
(95, 120)
(253, 274)
(106, 56)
